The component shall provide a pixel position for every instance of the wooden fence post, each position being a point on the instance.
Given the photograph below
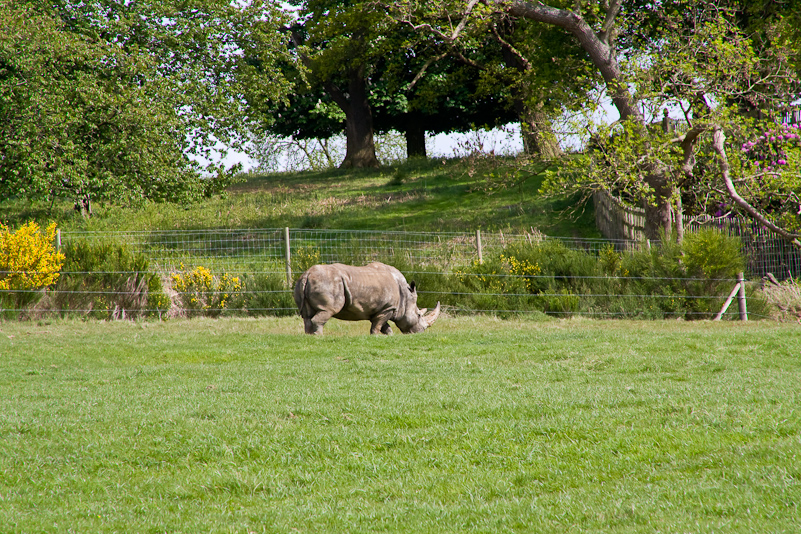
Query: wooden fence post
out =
(478, 247)
(288, 258)
(58, 240)
(728, 301)
(741, 298)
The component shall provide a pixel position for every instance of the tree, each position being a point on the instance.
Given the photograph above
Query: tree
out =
(424, 88)
(524, 61)
(335, 41)
(450, 96)
(705, 68)
(109, 101)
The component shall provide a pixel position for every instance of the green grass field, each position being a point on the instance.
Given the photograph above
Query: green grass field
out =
(478, 425)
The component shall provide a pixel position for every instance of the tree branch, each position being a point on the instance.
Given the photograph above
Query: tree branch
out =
(525, 64)
(608, 26)
(423, 70)
(599, 51)
(719, 145)
(463, 22)
(688, 142)
(449, 39)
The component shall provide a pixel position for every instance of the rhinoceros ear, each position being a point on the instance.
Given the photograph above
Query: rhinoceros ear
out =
(412, 287)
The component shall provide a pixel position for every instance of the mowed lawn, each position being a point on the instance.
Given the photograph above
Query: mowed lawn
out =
(478, 425)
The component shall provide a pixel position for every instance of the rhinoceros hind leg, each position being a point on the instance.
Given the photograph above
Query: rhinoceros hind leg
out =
(315, 324)
(310, 328)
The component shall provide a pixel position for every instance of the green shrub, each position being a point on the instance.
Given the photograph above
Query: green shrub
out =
(106, 280)
(267, 294)
(683, 278)
(687, 280)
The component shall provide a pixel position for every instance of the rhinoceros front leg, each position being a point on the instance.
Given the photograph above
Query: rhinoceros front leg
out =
(380, 325)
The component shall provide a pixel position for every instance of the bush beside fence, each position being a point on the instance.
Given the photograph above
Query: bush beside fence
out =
(764, 250)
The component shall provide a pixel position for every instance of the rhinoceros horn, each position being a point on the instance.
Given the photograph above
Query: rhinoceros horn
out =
(431, 317)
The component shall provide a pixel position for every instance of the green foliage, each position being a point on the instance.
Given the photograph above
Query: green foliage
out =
(681, 281)
(305, 257)
(350, 44)
(105, 280)
(711, 255)
(717, 70)
(107, 101)
(267, 294)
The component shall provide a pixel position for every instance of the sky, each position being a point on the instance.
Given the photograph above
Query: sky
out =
(501, 141)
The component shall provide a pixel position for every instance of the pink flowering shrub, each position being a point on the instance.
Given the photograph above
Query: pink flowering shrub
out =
(774, 150)
(773, 161)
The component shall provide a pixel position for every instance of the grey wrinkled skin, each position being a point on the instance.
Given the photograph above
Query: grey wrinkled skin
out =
(376, 292)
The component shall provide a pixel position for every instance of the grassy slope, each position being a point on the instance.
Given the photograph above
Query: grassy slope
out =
(419, 195)
(478, 425)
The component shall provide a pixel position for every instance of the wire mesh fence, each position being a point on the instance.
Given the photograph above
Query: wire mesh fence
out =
(251, 272)
(138, 302)
(233, 249)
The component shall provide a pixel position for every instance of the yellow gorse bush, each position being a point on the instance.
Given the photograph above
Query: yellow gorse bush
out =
(28, 257)
(305, 257)
(525, 269)
(201, 291)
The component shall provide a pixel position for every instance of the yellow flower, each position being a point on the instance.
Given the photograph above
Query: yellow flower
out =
(28, 258)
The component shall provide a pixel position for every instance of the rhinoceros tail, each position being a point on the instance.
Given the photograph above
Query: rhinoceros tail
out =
(300, 296)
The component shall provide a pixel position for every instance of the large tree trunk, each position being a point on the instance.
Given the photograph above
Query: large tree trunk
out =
(598, 47)
(538, 136)
(415, 139)
(360, 147)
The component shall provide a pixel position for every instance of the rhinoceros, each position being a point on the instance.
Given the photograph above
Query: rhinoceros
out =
(376, 292)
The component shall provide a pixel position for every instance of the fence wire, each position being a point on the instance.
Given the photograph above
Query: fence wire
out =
(234, 249)
(259, 258)
(120, 304)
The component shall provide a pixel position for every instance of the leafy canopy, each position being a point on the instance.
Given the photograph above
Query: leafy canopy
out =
(116, 101)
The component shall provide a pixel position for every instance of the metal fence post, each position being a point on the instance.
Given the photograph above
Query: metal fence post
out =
(288, 258)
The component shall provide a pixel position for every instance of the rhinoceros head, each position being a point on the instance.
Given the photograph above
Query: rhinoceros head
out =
(416, 320)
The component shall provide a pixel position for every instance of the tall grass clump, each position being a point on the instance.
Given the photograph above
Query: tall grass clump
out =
(784, 299)
(105, 280)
